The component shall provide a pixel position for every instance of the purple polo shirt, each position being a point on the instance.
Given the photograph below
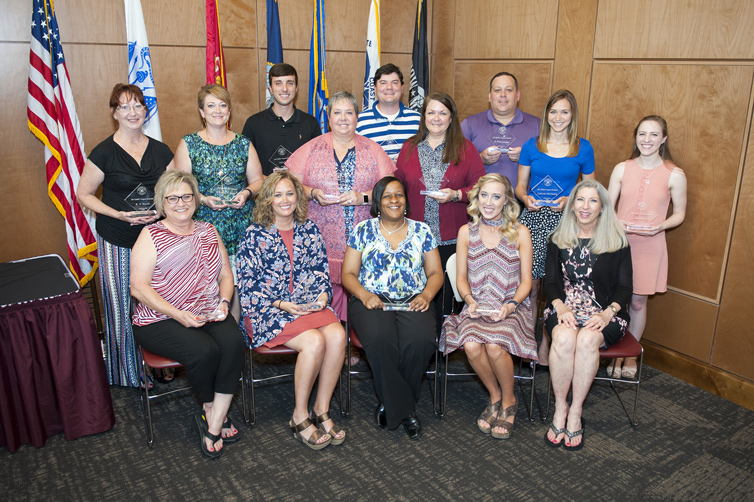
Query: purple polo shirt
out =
(481, 127)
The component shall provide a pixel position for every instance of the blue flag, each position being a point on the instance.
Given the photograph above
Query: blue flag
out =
(317, 61)
(140, 65)
(274, 43)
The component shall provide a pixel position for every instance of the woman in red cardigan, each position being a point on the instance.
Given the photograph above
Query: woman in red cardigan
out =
(439, 168)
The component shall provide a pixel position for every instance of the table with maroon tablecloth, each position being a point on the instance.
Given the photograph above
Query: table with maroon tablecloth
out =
(52, 375)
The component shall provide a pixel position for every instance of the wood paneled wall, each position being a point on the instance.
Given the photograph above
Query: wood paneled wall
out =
(691, 61)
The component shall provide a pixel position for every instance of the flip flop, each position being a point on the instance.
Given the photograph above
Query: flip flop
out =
(572, 435)
(557, 432)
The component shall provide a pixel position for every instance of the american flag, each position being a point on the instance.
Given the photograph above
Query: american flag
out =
(52, 118)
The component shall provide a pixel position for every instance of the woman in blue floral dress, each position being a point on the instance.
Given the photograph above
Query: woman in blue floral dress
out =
(285, 289)
(393, 261)
(228, 171)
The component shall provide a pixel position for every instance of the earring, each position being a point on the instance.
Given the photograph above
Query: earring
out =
(405, 212)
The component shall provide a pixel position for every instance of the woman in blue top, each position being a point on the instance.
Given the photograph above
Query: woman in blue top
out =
(393, 260)
(548, 169)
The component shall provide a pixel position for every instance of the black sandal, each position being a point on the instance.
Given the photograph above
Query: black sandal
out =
(201, 429)
(230, 439)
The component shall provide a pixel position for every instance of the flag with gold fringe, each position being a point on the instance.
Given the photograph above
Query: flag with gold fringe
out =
(52, 118)
(318, 95)
(215, 59)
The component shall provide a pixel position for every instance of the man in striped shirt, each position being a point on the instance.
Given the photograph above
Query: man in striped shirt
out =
(389, 122)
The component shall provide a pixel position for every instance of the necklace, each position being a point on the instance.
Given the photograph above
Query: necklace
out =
(388, 232)
(492, 223)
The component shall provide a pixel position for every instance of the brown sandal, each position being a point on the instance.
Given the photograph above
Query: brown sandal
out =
(489, 416)
(334, 430)
(312, 441)
(510, 411)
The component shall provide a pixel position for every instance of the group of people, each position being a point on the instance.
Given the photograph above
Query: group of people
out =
(278, 235)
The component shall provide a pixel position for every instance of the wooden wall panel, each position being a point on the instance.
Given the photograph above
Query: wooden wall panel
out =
(697, 101)
(573, 62)
(505, 29)
(90, 22)
(675, 29)
(734, 338)
(442, 49)
(682, 323)
(295, 25)
(472, 80)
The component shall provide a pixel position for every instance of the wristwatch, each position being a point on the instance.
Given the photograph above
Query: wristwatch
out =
(366, 198)
(457, 197)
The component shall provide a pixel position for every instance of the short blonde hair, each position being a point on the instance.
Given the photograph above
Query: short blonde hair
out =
(263, 214)
(170, 180)
(217, 91)
(509, 228)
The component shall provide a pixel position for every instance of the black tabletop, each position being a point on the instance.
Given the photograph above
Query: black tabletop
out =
(34, 279)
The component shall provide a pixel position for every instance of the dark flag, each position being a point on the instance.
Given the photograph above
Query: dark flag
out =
(419, 60)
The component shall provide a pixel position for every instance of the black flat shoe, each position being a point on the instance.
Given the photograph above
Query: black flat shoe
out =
(412, 426)
(379, 416)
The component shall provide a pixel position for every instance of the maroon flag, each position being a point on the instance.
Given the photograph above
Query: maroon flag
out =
(215, 58)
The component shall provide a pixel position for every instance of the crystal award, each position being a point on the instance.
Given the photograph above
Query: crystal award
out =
(546, 192)
(141, 199)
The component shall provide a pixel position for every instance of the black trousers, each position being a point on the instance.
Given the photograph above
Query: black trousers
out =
(398, 346)
(447, 307)
(212, 355)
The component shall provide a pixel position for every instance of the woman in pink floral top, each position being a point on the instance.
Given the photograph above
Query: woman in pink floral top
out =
(338, 171)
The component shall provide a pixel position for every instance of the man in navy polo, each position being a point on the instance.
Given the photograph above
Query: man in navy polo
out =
(280, 129)
(499, 132)
(388, 122)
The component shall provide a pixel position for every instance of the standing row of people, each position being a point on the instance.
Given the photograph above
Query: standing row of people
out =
(437, 172)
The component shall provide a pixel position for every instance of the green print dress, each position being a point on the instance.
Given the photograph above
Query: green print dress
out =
(211, 164)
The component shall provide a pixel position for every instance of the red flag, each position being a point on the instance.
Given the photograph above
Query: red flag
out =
(215, 58)
(52, 118)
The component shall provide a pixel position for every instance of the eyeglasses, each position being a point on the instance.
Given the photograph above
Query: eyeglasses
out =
(136, 107)
(173, 199)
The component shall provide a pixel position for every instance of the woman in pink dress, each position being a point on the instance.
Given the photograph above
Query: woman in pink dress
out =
(643, 187)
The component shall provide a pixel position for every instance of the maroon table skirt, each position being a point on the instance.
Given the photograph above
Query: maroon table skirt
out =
(52, 375)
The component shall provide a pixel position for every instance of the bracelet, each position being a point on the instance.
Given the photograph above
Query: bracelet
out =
(251, 194)
(201, 200)
(313, 199)
(225, 301)
(467, 294)
(514, 302)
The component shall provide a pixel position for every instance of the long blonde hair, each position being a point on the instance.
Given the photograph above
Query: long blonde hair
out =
(608, 233)
(509, 228)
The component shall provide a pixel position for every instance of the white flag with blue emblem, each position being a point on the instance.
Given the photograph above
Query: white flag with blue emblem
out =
(140, 65)
(373, 53)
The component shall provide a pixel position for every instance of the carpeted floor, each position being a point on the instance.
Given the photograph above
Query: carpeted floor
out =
(689, 445)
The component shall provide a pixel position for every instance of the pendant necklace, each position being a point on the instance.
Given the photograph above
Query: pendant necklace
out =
(388, 232)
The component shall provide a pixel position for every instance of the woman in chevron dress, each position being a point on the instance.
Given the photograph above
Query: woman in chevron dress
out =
(494, 261)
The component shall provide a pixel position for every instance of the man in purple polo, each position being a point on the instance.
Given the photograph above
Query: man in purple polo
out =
(499, 133)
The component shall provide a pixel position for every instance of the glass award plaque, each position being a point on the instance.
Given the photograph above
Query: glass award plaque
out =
(141, 199)
(331, 190)
(501, 139)
(224, 189)
(210, 313)
(279, 157)
(308, 307)
(389, 144)
(433, 186)
(640, 217)
(487, 311)
(546, 192)
(397, 307)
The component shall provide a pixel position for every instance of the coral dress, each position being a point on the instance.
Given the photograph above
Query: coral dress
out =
(494, 276)
(647, 190)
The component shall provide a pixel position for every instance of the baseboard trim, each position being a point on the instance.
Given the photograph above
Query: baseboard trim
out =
(715, 380)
